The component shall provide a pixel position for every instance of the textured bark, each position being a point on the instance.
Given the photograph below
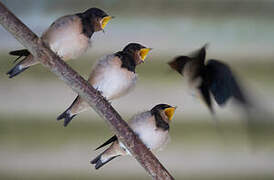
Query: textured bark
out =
(50, 60)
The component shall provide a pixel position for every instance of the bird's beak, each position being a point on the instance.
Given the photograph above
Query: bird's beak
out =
(172, 64)
(170, 112)
(105, 21)
(144, 52)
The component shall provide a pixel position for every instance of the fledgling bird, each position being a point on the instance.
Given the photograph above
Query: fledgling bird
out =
(213, 77)
(113, 75)
(152, 127)
(68, 36)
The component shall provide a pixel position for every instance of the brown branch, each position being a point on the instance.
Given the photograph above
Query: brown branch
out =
(50, 60)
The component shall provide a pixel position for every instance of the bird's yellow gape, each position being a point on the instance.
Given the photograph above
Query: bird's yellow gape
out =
(170, 112)
(144, 53)
(105, 21)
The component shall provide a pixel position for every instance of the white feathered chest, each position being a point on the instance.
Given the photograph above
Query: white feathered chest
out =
(145, 127)
(110, 79)
(65, 37)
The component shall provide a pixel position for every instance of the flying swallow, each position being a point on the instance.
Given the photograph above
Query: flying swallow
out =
(214, 78)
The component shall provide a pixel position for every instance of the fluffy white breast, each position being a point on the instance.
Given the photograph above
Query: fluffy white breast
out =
(65, 37)
(144, 126)
(187, 72)
(112, 80)
(193, 83)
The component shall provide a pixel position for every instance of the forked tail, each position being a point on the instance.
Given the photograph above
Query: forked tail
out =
(18, 68)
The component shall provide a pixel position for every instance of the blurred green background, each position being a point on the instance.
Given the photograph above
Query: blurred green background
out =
(35, 146)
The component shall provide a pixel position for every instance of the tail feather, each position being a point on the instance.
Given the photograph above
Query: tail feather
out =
(17, 69)
(99, 162)
(66, 116)
(21, 52)
(112, 139)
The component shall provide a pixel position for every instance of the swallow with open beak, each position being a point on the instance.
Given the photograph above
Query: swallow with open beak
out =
(114, 76)
(152, 127)
(69, 37)
(213, 77)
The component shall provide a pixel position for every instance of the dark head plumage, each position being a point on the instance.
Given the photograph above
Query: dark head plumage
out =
(128, 56)
(93, 20)
(178, 63)
(136, 52)
(159, 107)
(94, 13)
(163, 113)
(133, 47)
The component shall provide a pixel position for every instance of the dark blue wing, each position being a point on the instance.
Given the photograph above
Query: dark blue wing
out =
(222, 83)
(206, 97)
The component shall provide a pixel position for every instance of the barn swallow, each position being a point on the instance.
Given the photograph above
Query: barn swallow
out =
(113, 75)
(152, 127)
(69, 37)
(214, 77)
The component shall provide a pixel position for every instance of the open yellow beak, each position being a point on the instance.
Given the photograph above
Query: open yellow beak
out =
(170, 112)
(144, 53)
(105, 21)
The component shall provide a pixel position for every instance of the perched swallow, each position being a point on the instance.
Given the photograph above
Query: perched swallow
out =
(152, 127)
(69, 37)
(214, 77)
(113, 75)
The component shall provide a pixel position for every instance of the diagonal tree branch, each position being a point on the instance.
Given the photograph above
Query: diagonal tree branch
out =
(50, 60)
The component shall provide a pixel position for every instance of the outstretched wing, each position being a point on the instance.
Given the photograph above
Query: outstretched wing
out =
(112, 139)
(200, 54)
(222, 83)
